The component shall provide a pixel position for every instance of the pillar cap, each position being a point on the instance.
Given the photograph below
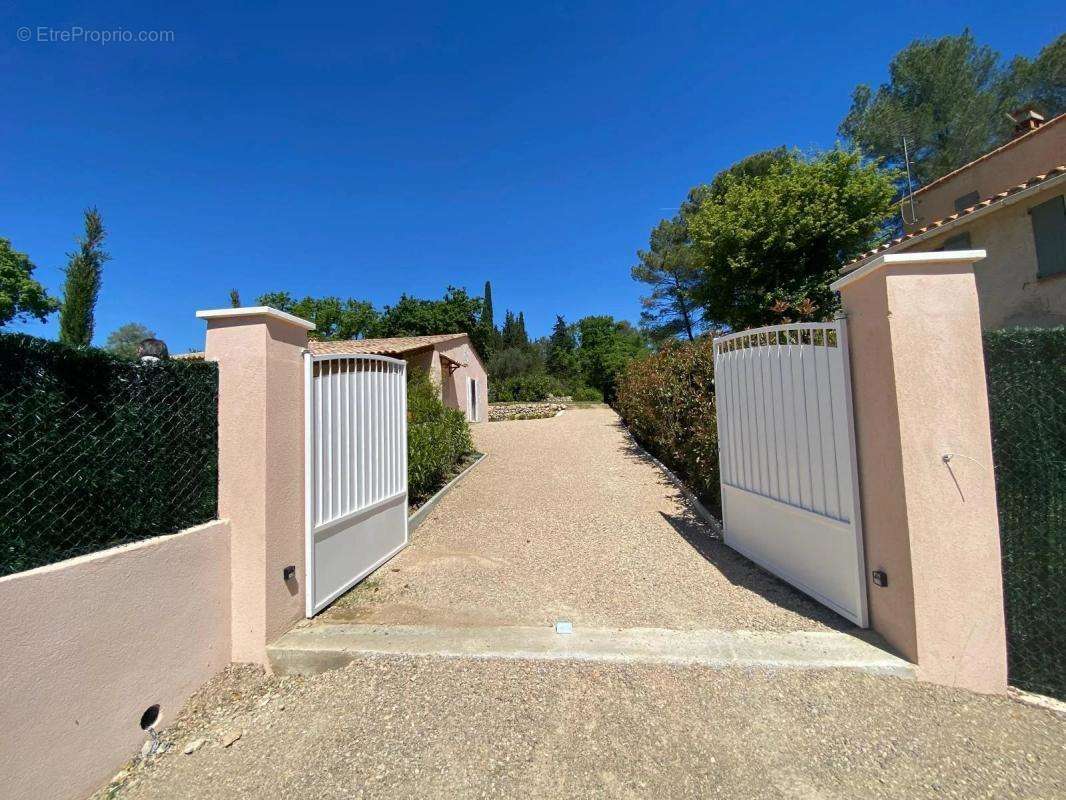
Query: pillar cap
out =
(255, 311)
(895, 259)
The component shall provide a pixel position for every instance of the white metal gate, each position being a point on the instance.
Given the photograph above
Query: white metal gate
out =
(355, 470)
(787, 444)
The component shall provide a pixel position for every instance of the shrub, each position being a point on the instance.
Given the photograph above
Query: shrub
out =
(438, 438)
(526, 389)
(586, 394)
(667, 400)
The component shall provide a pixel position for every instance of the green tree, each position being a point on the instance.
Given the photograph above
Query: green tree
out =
(456, 312)
(950, 96)
(514, 362)
(124, 340)
(561, 359)
(750, 167)
(670, 267)
(235, 298)
(605, 347)
(770, 244)
(1042, 81)
(334, 318)
(77, 316)
(514, 330)
(523, 337)
(489, 334)
(21, 297)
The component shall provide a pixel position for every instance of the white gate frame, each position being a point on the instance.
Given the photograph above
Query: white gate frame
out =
(366, 465)
(766, 515)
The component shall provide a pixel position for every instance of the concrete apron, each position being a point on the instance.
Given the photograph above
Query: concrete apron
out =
(312, 649)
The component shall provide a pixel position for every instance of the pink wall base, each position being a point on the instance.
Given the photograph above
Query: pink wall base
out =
(90, 643)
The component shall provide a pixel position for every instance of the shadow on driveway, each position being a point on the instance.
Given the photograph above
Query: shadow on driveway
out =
(737, 569)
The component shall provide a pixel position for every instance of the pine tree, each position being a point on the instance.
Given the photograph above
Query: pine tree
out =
(509, 335)
(671, 268)
(82, 287)
(234, 298)
(561, 359)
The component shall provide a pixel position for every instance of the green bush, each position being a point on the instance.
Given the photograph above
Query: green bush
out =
(667, 400)
(1027, 405)
(438, 438)
(97, 450)
(526, 389)
(586, 394)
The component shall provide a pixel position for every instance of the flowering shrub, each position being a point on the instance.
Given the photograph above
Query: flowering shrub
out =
(667, 400)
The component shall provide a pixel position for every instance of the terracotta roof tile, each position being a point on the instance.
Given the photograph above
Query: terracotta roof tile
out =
(381, 347)
(1005, 146)
(988, 201)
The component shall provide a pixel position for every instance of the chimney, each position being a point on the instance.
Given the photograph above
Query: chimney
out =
(1025, 119)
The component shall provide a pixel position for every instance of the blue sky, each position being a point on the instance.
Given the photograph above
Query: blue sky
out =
(367, 150)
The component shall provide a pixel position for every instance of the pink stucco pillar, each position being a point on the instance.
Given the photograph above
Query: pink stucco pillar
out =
(925, 464)
(260, 441)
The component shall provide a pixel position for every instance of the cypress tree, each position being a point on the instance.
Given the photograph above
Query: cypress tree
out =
(486, 309)
(488, 335)
(234, 298)
(82, 288)
(523, 337)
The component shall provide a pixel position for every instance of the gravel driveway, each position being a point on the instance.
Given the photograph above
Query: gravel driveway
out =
(402, 727)
(566, 518)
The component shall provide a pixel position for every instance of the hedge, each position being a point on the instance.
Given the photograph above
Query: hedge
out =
(1027, 403)
(96, 450)
(667, 401)
(438, 438)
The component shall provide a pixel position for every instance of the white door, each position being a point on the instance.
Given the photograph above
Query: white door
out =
(355, 470)
(790, 497)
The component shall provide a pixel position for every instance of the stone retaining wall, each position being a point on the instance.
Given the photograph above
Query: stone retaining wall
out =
(504, 411)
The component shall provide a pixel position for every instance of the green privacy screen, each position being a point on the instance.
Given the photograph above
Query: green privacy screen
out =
(1027, 401)
(97, 451)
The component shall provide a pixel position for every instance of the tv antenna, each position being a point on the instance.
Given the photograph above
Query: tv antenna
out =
(908, 201)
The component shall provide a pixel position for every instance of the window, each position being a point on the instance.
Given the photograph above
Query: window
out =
(473, 400)
(960, 241)
(1049, 233)
(966, 201)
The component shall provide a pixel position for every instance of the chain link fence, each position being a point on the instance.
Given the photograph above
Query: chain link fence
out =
(1027, 402)
(97, 451)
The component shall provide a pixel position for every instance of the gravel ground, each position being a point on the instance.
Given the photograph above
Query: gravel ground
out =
(427, 727)
(567, 519)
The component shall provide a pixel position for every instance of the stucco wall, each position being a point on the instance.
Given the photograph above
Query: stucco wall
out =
(919, 394)
(456, 390)
(261, 440)
(1033, 155)
(1007, 285)
(91, 642)
(426, 361)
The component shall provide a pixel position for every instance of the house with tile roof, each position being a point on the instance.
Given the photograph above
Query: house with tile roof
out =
(450, 359)
(1010, 202)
